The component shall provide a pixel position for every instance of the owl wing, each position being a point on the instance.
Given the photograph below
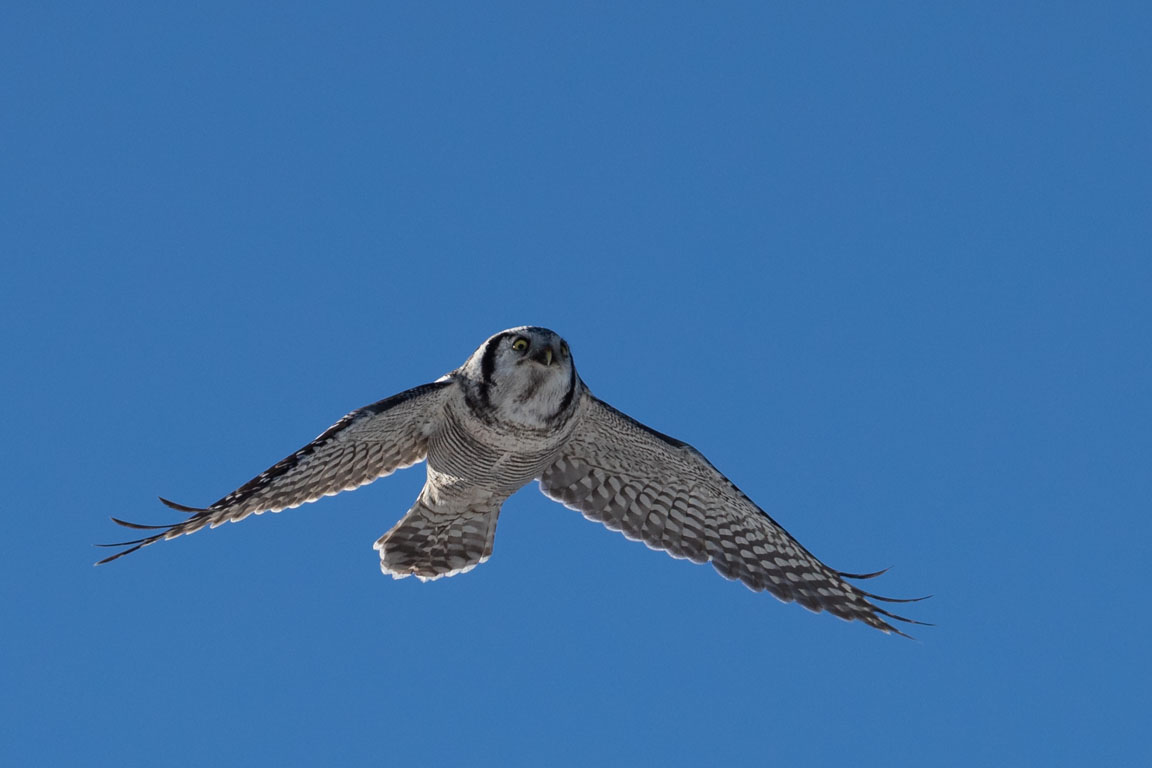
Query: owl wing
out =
(654, 488)
(368, 443)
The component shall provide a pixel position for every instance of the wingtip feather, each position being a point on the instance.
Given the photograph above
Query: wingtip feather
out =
(180, 507)
(137, 526)
(874, 574)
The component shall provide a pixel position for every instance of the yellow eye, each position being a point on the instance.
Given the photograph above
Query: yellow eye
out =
(520, 345)
(564, 348)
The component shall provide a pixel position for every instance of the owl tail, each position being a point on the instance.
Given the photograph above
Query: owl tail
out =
(445, 539)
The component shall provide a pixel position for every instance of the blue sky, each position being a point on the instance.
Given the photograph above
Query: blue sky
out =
(886, 266)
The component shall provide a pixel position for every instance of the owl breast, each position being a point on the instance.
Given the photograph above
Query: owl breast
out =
(498, 458)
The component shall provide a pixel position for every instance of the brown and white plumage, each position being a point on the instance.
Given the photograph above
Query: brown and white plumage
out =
(656, 489)
(517, 411)
(368, 443)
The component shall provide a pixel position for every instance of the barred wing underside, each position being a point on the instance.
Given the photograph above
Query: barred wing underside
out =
(661, 491)
(368, 443)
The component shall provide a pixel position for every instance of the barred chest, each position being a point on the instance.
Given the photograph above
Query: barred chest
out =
(501, 460)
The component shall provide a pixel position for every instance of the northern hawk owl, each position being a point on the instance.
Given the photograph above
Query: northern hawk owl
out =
(514, 412)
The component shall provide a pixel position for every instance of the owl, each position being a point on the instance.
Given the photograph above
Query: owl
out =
(514, 412)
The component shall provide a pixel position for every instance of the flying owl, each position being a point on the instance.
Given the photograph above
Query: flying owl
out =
(514, 412)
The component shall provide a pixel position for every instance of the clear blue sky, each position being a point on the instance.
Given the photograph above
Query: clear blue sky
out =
(888, 267)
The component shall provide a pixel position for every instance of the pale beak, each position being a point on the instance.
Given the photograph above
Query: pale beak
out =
(545, 356)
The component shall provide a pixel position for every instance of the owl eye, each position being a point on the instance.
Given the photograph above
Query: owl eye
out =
(564, 348)
(520, 345)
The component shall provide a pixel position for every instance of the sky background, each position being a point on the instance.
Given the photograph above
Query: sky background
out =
(886, 265)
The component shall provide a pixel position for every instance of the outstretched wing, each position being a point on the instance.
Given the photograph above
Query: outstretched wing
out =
(664, 492)
(366, 444)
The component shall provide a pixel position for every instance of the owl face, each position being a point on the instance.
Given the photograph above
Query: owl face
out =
(525, 375)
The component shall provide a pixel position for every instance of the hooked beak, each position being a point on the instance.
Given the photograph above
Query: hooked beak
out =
(544, 357)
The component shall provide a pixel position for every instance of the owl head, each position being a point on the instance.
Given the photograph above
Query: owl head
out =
(524, 375)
